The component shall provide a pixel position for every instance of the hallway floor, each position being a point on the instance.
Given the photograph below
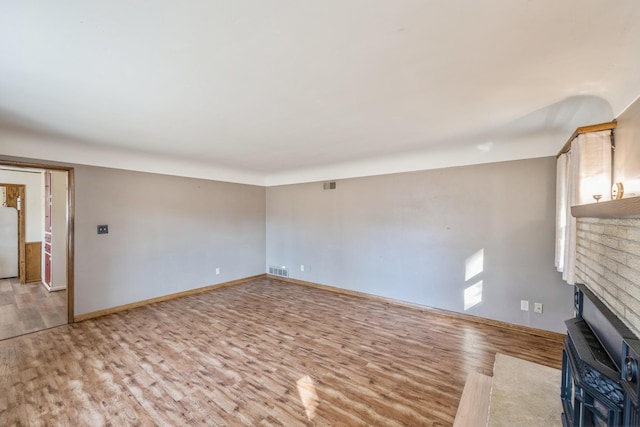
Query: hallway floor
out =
(29, 308)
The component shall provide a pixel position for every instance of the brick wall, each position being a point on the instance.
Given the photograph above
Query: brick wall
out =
(608, 263)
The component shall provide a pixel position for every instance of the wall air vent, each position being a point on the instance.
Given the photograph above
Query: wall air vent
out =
(331, 185)
(278, 271)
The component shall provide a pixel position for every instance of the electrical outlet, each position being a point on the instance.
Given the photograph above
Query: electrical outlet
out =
(537, 307)
(524, 305)
(301, 267)
(103, 229)
(217, 270)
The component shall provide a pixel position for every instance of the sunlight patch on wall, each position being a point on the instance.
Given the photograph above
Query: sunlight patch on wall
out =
(474, 265)
(308, 396)
(473, 295)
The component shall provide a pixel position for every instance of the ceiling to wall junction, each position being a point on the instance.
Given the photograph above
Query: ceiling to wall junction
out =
(285, 91)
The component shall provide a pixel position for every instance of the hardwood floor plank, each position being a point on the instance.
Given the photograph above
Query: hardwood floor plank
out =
(473, 409)
(29, 308)
(260, 353)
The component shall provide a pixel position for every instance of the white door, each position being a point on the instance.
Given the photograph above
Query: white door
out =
(8, 242)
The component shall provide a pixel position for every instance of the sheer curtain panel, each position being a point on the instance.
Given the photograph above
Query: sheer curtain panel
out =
(582, 173)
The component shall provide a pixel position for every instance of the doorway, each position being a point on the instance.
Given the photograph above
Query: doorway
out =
(26, 304)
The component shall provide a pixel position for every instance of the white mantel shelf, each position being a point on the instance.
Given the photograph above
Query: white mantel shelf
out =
(624, 208)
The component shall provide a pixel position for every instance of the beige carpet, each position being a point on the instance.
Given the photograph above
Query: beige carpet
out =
(524, 394)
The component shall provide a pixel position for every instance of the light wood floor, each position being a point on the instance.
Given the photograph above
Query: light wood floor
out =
(261, 353)
(29, 308)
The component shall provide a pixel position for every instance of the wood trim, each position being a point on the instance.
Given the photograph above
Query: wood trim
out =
(586, 129)
(71, 215)
(33, 260)
(462, 316)
(22, 231)
(112, 310)
(500, 324)
(20, 164)
(621, 208)
(70, 222)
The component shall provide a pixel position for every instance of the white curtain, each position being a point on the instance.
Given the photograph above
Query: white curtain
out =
(583, 172)
(562, 204)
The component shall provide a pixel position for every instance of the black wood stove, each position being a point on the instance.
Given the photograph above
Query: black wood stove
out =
(600, 385)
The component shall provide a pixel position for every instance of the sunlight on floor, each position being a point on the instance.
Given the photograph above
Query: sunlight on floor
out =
(308, 396)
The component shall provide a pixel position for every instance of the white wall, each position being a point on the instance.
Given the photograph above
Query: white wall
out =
(405, 236)
(166, 234)
(33, 193)
(627, 154)
(409, 236)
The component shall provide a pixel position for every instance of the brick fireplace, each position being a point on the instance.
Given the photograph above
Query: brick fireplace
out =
(608, 263)
(601, 356)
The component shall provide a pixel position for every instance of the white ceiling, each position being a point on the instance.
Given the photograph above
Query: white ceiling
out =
(279, 91)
